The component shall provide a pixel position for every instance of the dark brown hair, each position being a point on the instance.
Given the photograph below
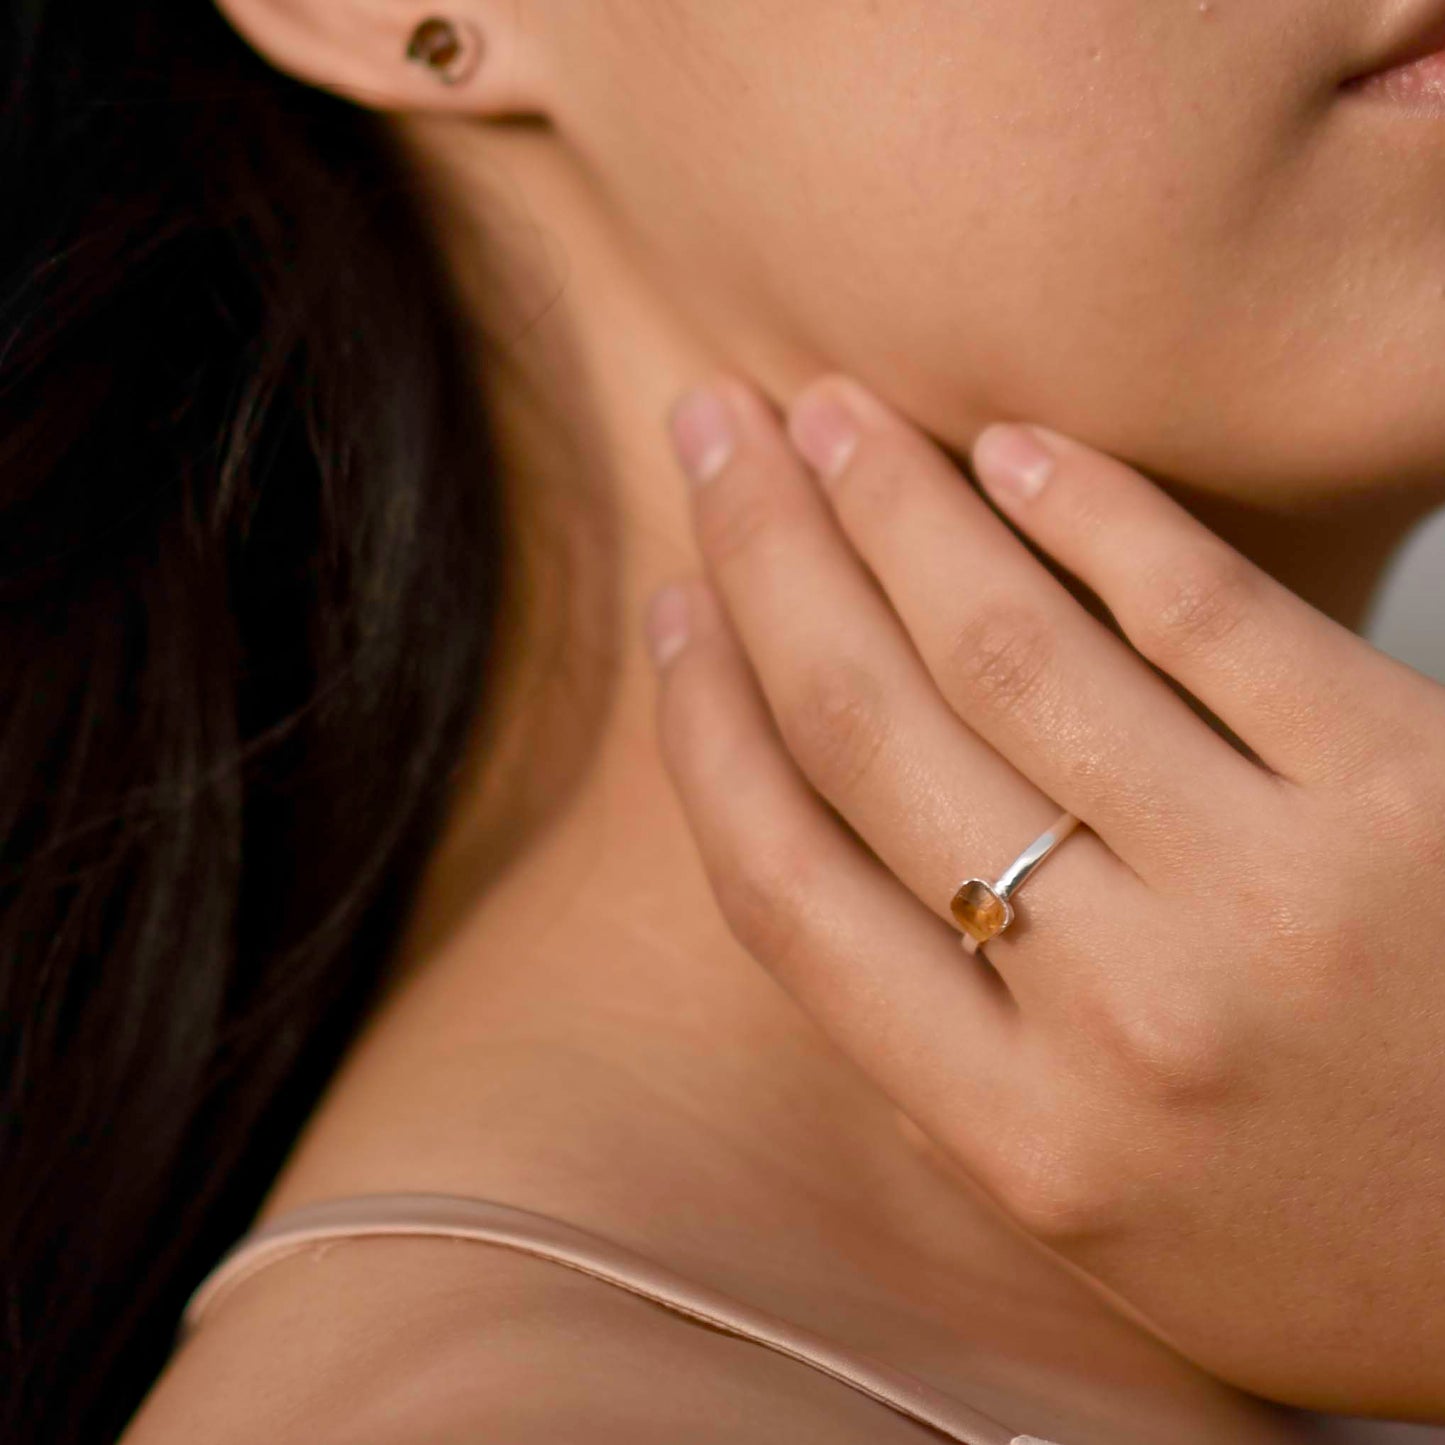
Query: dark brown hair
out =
(250, 570)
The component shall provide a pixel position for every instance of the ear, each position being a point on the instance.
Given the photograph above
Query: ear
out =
(464, 56)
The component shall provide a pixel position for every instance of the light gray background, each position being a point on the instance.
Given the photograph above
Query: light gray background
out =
(1408, 618)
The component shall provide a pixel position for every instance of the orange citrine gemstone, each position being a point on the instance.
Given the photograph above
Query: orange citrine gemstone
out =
(978, 910)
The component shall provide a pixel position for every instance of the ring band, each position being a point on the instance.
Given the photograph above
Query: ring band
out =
(983, 909)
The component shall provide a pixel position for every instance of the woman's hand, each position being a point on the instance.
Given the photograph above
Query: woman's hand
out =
(1206, 1065)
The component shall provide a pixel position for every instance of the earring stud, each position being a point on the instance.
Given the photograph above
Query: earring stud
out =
(449, 50)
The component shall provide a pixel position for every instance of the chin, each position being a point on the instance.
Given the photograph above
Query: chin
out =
(1322, 456)
(1296, 450)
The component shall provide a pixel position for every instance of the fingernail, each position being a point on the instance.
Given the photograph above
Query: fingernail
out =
(824, 430)
(703, 433)
(1011, 461)
(666, 624)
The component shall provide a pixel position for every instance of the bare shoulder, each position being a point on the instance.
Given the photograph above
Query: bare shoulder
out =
(396, 1342)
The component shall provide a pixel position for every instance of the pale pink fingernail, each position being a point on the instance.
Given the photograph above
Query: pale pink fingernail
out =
(703, 433)
(824, 430)
(666, 624)
(1012, 462)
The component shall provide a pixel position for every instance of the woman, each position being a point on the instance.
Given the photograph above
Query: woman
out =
(369, 329)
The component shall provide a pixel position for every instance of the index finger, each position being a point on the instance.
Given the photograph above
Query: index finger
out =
(1310, 698)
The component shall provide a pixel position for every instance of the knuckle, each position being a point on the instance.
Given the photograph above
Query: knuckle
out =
(689, 732)
(1320, 949)
(1296, 894)
(1093, 770)
(1383, 864)
(1176, 1050)
(1402, 808)
(836, 725)
(1193, 603)
(762, 891)
(736, 519)
(872, 485)
(1003, 654)
(1053, 1188)
(1359, 750)
(1090, 513)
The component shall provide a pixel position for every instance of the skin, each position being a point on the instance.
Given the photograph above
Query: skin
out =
(1188, 243)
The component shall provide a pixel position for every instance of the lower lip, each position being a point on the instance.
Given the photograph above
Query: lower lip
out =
(1418, 87)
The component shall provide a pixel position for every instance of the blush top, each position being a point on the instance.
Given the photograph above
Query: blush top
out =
(507, 1226)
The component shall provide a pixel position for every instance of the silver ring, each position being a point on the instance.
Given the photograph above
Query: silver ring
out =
(983, 909)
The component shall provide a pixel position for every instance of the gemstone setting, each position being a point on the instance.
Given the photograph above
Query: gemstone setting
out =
(980, 911)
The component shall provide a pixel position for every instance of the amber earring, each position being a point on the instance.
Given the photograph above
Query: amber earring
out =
(451, 51)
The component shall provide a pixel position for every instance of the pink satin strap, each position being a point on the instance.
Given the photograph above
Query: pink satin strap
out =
(541, 1235)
